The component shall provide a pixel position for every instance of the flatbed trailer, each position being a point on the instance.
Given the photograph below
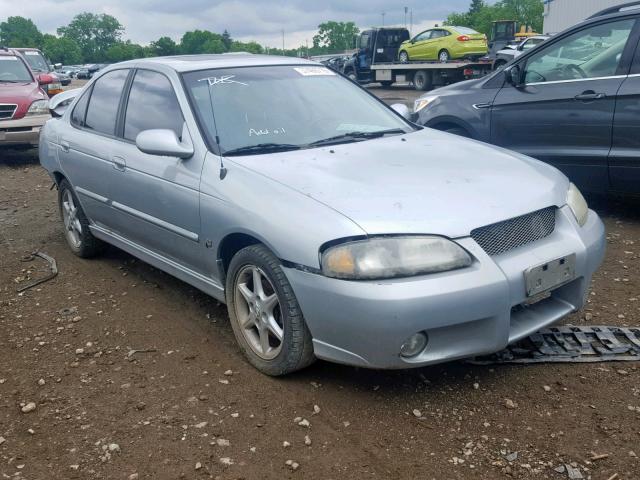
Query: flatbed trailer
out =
(427, 75)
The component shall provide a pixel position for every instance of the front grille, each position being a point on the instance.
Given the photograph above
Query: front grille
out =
(7, 110)
(504, 236)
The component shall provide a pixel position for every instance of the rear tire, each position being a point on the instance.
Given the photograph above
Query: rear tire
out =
(423, 80)
(444, 56)
(265, 315)
(76, 224)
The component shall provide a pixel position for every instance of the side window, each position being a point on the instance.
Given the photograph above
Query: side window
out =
(437, 34)
(79, 111)
(152, 105)
(424, 36)
(590, 53)
(105, 98)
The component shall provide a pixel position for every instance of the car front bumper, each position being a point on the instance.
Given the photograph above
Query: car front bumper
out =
(25, 131)
(468, 312)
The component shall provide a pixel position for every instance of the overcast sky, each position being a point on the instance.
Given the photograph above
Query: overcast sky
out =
(147, 20)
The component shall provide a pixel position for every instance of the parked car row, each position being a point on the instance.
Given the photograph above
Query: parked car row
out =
(571, 101)
(24, 105)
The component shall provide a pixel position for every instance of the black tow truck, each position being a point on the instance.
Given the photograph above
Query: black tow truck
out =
(376, 61)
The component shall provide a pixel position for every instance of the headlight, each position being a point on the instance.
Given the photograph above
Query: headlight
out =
(39, 107)
(389, 257)
(578, 204)
(423, 102)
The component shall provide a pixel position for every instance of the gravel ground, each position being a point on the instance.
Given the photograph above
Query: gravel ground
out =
(77, 403)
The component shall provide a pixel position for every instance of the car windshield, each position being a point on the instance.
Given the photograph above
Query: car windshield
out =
(294, 106)
(36, 61)
(13, 70)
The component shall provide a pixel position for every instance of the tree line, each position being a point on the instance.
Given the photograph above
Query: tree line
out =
(98, 38)
(481, 15)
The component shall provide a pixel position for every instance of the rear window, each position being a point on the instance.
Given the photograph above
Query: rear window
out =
(13, 70)
(105, 99)
(465, 30)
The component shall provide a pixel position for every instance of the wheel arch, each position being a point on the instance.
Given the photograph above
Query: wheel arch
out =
(233, 242)
(444, 122)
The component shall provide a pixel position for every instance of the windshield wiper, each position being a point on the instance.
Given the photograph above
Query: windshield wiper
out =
(262, 148)
(353, 136)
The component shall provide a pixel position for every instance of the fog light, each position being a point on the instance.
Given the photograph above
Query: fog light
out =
(414, 345)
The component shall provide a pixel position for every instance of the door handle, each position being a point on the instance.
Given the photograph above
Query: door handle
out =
(589, 95)
(64, 145)
(119, 163)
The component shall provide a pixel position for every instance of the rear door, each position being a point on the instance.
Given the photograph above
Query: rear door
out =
(624, 159)
(563, 114)
(86, 143)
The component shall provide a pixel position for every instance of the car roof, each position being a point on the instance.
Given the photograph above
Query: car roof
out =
(188, 63)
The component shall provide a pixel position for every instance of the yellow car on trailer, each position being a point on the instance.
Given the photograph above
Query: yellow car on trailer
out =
(444, 44)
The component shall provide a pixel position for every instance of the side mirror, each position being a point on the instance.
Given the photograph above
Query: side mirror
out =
(402, 109)
(513, 75)
(59, 103)
(45, 79)
(164, 143)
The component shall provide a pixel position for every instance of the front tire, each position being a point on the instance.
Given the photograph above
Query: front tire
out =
(76, 224)
(265, 316)
(444, 56)
(403, 57)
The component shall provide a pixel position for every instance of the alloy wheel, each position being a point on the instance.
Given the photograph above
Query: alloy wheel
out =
(258, 312)
(72, 225)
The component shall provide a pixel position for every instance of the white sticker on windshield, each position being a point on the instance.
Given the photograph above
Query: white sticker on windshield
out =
(31, 53)
(7, 57)
(224, 80)
(313, 71)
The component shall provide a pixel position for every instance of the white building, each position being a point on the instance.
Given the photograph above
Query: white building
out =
(562, 14)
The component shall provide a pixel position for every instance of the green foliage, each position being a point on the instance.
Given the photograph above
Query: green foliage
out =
(201, 41)
(20, 32)
(121, 51)
(163, 46)
(94, 34)
(250, 47)
(335, 36)
(61, 50)
(481, 16)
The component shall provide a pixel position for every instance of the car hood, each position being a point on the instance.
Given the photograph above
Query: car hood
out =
(22, 94)
(423, 182)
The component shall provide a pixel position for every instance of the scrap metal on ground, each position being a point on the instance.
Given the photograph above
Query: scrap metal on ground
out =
(566, 344)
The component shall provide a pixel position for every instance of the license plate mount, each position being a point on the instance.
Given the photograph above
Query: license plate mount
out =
(550, 275)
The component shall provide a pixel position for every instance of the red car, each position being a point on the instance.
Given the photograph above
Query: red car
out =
(24, 106)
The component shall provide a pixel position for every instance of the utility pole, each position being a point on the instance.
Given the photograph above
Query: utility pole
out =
(406, 9)
(383, 14)
(283, 41)
(410, 21)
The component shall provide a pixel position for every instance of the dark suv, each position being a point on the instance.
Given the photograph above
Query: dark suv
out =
(573, 101)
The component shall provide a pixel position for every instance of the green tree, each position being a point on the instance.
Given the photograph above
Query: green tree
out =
(227, 40)
(163, 46)
(94, 34)
(61, 50)
(201, 41)
(335, 36)
(250, 47)
(481, 16)
(20, 32)
(121, 51)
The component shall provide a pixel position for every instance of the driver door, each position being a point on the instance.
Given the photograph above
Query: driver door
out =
(418, 48)
(563, 112)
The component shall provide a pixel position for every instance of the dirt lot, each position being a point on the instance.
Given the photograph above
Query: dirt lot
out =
(192, 408)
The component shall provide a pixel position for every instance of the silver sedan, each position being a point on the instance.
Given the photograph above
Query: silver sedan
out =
(330, 225)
